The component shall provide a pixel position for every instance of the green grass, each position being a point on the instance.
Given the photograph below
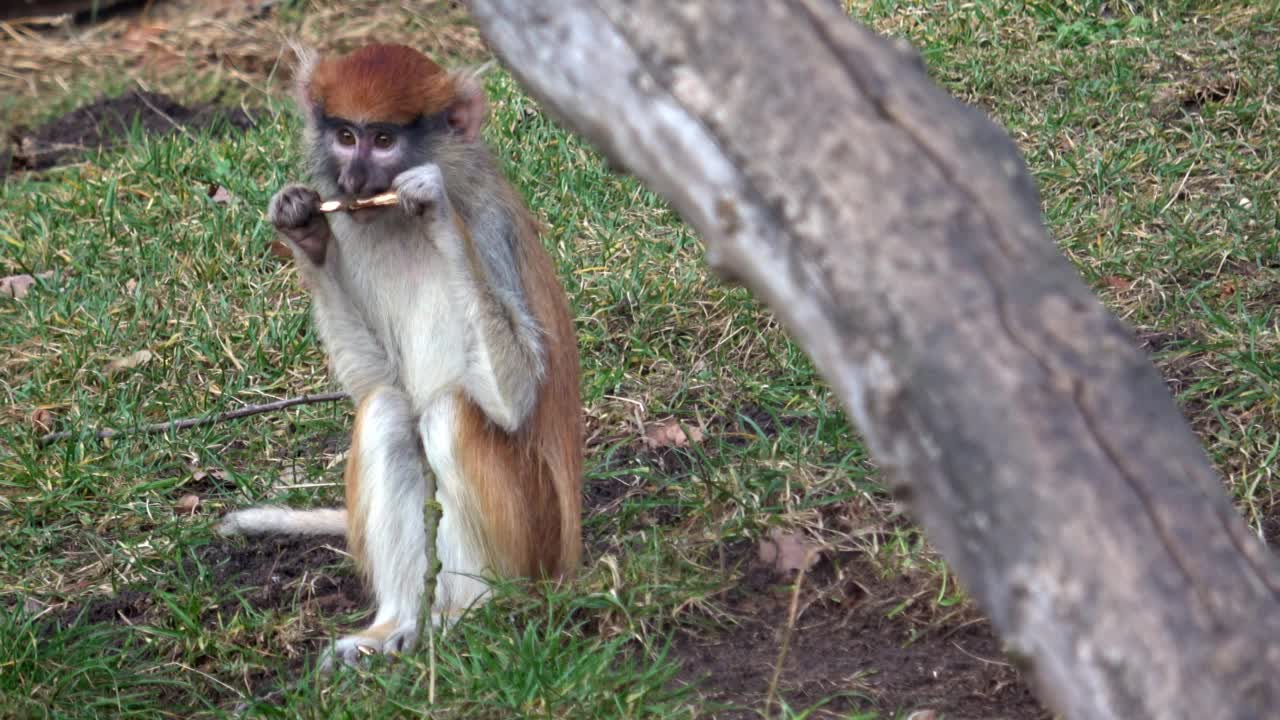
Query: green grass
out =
(1151, 134)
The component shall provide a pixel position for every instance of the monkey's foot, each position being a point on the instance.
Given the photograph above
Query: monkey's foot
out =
(386, 639)
(353, 649)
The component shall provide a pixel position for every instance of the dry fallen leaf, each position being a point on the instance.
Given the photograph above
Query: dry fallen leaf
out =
(147, 41)
(137, 36)
(215, 474)
(669, 434)
(220, 195)
(281, 250)
(1115, 282)
(42, 419)
(787, 551)
(131, 285)
(17, 286)
(129, 361)
(34, 606)
(187, 504)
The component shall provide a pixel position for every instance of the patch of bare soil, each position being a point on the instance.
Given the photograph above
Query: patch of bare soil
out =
(845, 647)
(269, 573)
(1190, 95)
(605, 495)
(1164, 341)
(126, 607)
(1181, 368)
(283, 573)
(848, 646)
(292, 575)
(1271, 528)
(673, 463)
(105, 123)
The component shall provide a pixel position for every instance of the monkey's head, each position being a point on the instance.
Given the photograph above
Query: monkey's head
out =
(380, 110)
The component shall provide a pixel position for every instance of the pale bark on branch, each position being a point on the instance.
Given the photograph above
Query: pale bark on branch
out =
(897, 235)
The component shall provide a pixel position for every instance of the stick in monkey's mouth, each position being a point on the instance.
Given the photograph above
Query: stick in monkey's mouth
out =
(380, 200)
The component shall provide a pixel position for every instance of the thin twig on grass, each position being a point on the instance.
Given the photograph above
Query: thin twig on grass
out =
(788, 631)
(432, 521)
(185, 423)
(141, 94)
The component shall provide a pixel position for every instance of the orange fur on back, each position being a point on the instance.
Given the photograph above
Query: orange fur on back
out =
(380, 83)
(528, 485)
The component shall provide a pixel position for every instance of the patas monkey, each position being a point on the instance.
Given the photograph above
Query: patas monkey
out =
(443, 318)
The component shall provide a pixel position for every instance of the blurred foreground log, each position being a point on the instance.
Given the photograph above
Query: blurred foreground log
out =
(897, 234)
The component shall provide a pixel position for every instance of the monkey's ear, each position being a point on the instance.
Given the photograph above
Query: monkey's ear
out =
(470, 107)
(304, 66)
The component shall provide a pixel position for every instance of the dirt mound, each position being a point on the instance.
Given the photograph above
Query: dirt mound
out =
(106, 122)
(272, 572)
(850, 648)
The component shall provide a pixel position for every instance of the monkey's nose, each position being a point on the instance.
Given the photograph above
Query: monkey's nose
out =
(351, 180)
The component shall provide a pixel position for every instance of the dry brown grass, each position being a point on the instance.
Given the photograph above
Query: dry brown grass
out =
(195, 49)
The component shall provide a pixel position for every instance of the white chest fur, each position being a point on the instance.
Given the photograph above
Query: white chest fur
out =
(405, 289)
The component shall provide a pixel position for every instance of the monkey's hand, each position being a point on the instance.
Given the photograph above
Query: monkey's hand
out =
(295, 211)
(421, 191)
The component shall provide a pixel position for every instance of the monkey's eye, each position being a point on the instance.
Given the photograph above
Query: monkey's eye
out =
(383, 140)
(346, 137)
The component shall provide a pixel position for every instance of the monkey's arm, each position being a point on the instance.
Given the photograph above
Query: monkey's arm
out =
(505, 363)
(358, 360)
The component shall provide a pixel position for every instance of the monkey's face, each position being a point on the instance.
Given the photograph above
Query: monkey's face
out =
(362, 159)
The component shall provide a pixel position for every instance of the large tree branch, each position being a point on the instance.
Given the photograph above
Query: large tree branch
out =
(898, 236)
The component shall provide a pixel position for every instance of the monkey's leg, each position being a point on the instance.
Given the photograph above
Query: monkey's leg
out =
(461, 583)
(386, 532)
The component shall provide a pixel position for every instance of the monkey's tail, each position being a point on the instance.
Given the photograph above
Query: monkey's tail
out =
(271, 519)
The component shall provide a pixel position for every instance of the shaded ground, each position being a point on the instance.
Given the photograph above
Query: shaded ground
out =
(282, 573)
(295, 577)
(288, 574)
(854, 644)
(81, 10)
(845, 644)
(107, 122)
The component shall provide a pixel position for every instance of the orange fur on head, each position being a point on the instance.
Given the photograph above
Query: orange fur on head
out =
(380, 83)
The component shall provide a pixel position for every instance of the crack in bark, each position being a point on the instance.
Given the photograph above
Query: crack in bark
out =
(1000, 302)
(1062, 380)
(1268, 580)
(1144, 499)
(986, 216)
(752, 194)
(882, 109)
